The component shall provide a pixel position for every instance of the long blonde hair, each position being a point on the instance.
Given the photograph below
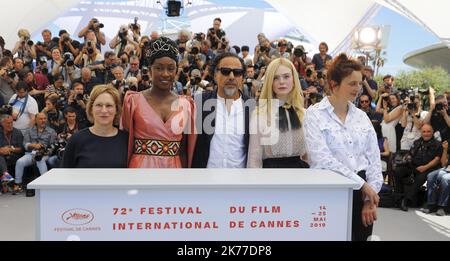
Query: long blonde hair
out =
(295, 97)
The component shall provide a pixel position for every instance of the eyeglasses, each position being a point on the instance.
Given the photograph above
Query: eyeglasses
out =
(226, 71)
(99, 107)
(364, 101)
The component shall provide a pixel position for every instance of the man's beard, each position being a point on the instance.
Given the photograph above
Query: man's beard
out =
(229, 92)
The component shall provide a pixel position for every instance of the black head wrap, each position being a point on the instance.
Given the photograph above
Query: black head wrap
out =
(163, 47)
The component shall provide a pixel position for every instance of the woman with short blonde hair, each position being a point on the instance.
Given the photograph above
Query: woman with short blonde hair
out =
(102, 145)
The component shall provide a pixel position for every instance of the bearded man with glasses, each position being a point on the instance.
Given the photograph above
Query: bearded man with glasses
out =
(223, 117)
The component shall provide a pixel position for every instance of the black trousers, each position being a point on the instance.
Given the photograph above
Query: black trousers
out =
(287, 162)
(359, 231)
(409, 187)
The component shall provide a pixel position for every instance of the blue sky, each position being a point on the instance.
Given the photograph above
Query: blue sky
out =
(405, 36)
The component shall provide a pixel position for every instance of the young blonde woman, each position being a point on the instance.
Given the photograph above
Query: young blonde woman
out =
(276, 133)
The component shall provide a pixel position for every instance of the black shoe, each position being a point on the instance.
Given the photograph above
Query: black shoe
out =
(403, 205)
(30, 193)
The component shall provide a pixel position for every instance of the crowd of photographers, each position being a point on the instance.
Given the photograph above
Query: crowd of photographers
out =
(45, 87)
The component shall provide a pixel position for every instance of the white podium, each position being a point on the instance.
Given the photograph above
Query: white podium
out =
(193, 204)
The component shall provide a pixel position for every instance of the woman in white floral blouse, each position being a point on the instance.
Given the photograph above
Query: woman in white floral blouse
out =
(340, 137)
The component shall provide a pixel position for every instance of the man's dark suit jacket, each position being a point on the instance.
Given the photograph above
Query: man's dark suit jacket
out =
(201, 153)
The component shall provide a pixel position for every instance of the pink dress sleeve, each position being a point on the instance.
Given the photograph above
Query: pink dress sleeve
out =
(192, 135)
(126, 120)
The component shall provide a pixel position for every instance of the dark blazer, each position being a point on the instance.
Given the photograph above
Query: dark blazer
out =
(201, 153)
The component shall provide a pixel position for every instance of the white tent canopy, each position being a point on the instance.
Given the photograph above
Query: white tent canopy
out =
(321, 20)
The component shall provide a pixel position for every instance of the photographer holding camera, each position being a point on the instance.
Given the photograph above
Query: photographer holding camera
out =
(300, 60)
(196, 85)
(88, 80)
(215, 33)
(41, 74)
(389, 106)
(439, 115)
(388, 85)
(145, 83)
(144, 51)
(411, 120)
(6, 82)
(224, 46)
(282, 49)
(195, 58)
(64, 66)
(251, 85)
(370, 87)
(321, 59)
(44, 48)
(36, 140)
(119, 81)
(54, 115)
(133, 69)
(24, 106)
(78, 100)
(67, 45)
(122, 39)
(183, 72)
(264, 53)
(94, 26)
(11, 144)
(25, 49)
(88, 56)
(421, 159)
(71, 125)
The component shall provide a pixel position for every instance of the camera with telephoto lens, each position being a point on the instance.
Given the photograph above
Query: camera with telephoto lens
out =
(425, 88)
(40, 153)
(195, 81)
(248, 82)
(198, 37)
(406, 93)
(66, 38)
(90, 49)
(58, 147)
(6, 109)
(79, 97)
(96, 23)
(68, 59)
(319, 74)
(27, 41)
(134, 26)
(145, 76)
(43, 64)
(11, 73)
(194, 50)
(411, 106)
(123, 33)
(298, 52)
(52, 116)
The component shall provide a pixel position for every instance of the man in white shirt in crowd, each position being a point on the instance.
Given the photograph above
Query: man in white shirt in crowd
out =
(24, 108)
(223, 117)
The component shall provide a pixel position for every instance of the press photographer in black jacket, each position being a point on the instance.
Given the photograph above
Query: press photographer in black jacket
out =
(422, 159)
